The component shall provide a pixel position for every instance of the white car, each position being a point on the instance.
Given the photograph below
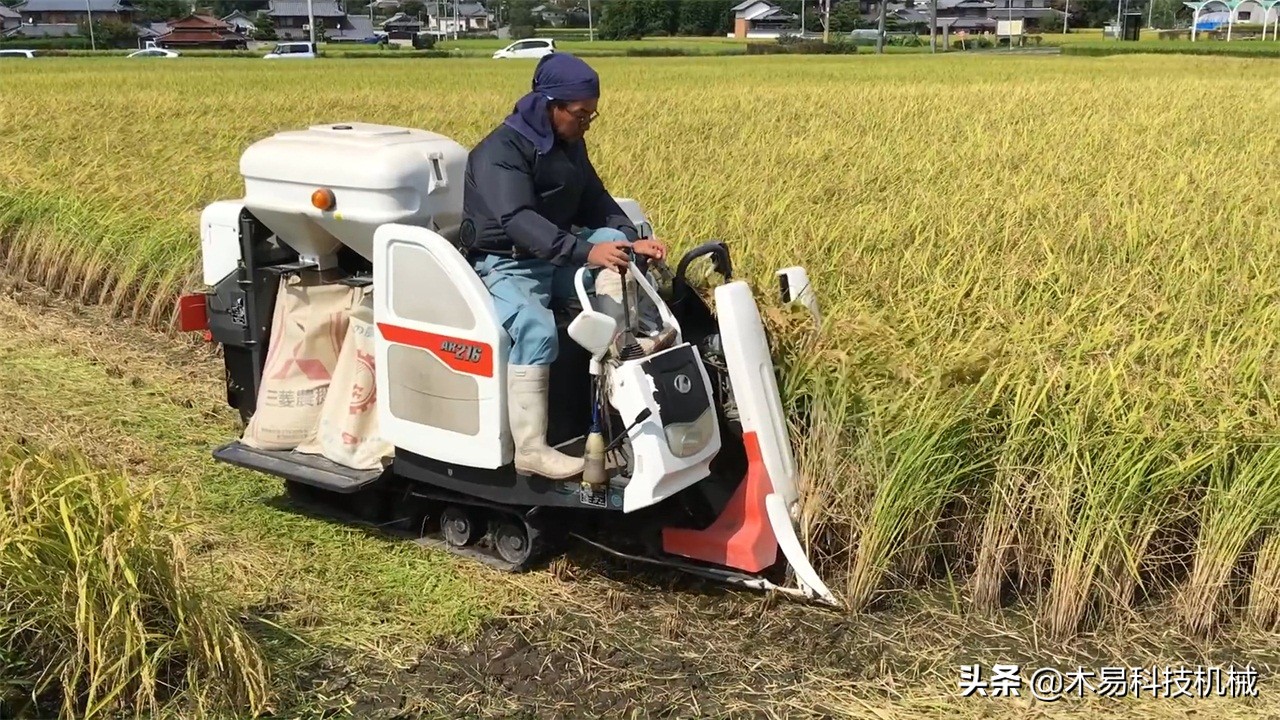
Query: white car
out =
(528, 48)
(292, 50)
(154, 52)
(30, 54)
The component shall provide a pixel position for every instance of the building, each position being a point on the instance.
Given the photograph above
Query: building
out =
(242, 23)
(762, 19)
(552, 16)
(1035, 14)
(202, 31)
(402, 26)
(71, 12)
(10, 19)
(152, 32)
(49, 31)
(472, 17)
(354, 28)
(548, 15)
(333, 24)
(291, 18)
(970, 16)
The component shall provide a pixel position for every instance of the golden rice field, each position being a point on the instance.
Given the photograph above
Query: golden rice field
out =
(1050, 284)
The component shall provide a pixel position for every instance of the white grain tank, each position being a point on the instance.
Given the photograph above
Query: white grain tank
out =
(376, 174)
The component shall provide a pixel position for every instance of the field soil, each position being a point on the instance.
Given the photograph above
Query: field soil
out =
(374, 628)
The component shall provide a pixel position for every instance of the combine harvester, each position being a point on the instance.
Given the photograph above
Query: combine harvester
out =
(368, 365)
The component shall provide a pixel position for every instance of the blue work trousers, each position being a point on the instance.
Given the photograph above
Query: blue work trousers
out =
(522, 291)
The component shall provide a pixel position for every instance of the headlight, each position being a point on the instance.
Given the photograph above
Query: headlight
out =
(687, 439)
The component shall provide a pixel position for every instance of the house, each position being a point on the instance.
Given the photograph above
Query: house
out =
(402, 26)
(291, 18)
(1035, 14)
(70, 12)
(202, 31)
(242, 23)
(549, 15)
(472, 16)
(151, 32)
(760, 19)
(10, 19)
(43, 31)
(970, 16)
(354, 28)
(333, 24)
(552, 16)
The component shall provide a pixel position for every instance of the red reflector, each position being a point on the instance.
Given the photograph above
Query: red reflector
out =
(208, 336)
(191, 313)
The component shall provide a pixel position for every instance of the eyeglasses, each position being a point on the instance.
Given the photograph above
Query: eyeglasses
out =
(583, 117)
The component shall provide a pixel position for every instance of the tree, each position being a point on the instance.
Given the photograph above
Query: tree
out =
(846, 16)
(264, 28)
(704, 18)
(111, 33)
(621, 20)
(161, 10)
(517, 15)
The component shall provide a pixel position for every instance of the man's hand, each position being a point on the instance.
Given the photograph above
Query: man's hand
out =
(652, 248)
(612, 255)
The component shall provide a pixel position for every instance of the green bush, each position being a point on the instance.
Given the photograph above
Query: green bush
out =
(658, 52)
(803, 47)
(1174, 47)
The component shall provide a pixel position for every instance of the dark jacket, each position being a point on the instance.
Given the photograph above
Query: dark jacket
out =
(515, 199)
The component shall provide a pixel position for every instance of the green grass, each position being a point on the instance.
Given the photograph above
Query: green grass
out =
(1235, 48)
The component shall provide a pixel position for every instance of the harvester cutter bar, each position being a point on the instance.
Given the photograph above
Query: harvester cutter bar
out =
(754, 582)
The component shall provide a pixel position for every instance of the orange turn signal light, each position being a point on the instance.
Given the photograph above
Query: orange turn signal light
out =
(323, 199)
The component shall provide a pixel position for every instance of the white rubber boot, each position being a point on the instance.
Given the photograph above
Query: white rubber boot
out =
(527, 388)
(609, 297)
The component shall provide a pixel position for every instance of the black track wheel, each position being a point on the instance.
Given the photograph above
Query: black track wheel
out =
(459, 527)
(511, 540)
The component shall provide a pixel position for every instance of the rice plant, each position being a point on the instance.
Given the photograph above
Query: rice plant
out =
(98, 613)
(1048, 284)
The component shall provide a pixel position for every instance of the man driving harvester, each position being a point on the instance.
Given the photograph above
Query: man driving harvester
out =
(529, 183)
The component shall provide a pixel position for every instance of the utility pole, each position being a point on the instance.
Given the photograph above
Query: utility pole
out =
(93, 44)
(1066, 13)
(311, 24)
(591, 28)
(826, 21)
(933, 26)
(880, 32)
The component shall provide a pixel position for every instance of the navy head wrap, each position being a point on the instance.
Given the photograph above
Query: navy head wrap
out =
(558, 77)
